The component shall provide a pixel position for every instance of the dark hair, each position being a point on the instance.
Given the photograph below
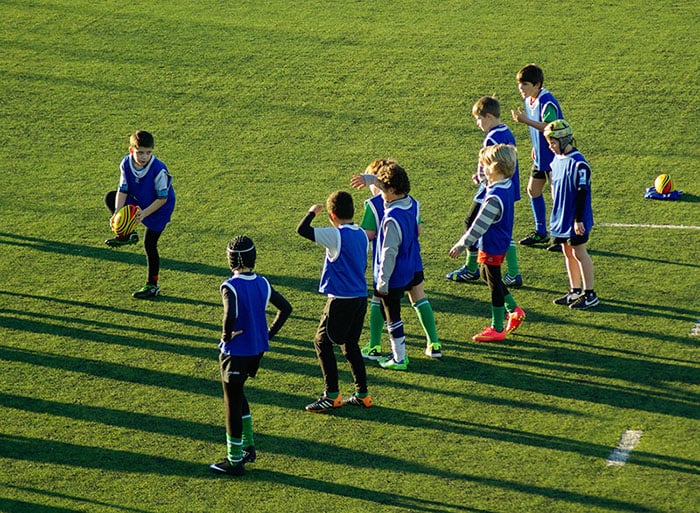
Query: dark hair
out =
(487, 105)
(392, 175)
(531, 73)
(142, 139)
(241, 253)
(340, 203)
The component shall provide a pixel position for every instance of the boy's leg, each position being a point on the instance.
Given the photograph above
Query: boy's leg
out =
(357, 310)
(324, 351)
(426, 317)
(110, 198)
(512, 278)
(373, 350)
(585, 265)
(470, 270)
(150, 244)
(392, 309)
(535, 186)
(496, 331)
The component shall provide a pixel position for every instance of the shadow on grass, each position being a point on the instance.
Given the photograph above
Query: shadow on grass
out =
(131, 257)
(272, 443)
(17, 506)
(50, 452)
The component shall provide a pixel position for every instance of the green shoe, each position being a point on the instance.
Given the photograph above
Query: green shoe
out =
(147, 291)
(116, 242)
(390, 363)
(371, 352)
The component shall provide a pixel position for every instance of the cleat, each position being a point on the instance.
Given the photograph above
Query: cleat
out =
(371, 352)
(249, 454)
(554, 248)
(388, 362)
(362, 402)
(116, 242)
(324, 403)
(226, 467)
(534, 238)
(433, 350)
(147, 291)
(489, 334)
(463, 275)
(569, 298)
(513, 281)
(515, 319)
(585, 301)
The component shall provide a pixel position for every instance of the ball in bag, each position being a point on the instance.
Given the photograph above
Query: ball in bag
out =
(124, 221)
(663, 184)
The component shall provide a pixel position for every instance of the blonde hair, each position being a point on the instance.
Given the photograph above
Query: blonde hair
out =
(502, 158)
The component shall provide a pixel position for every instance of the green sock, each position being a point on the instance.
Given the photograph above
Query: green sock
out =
(234, 449)
(472, 264)
(361, 396)
(498, 315)
(427, 319)
(376, 323)
(512, 259)
(247, 439)
(510, 303)
(332, 395)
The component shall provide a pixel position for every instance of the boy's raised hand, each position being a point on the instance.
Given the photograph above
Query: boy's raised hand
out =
(357, 181)
(316, 209)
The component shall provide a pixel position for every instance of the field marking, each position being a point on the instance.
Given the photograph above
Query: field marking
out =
(628, 441)
(661, 226)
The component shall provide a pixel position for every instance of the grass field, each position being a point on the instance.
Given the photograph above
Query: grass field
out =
(261, 109)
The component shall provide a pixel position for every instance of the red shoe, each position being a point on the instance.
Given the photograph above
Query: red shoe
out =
(490, 335)
(515, 319)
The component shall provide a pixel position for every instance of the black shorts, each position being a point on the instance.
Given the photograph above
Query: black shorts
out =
(342, 320)
(576, 240)
(238, 368)
(539, 174)
(418, 278)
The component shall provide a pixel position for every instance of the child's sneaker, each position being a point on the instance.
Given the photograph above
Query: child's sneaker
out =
(388, 362)
(249, 454)
(433, 350)
(585, 301)
(513, 281)
(324, 403)
(489, 334)
(226, 467)
(569, 298)
(463, 275)
(515, 319)
(371, 352)
(362, 402)
(534, 238)
(116, 242)
(147, 291)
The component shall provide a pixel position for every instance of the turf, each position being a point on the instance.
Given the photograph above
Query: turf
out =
(261, 109)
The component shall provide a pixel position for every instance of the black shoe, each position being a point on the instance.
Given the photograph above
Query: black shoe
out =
(554, 248)
(116, 242)
(249, 454)
(147, 291)
(534, 238)
(569, 298)
(585, 302)
(226, 467)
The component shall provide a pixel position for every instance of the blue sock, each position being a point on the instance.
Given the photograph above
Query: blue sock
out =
(539, 210)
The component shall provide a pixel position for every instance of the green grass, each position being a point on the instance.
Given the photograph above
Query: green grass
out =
(261, 109)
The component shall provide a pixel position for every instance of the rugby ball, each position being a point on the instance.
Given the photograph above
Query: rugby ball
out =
(125, 220)
(663, 184)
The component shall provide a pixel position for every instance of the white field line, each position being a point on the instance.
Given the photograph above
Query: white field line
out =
(628, 441)
(658, 226)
